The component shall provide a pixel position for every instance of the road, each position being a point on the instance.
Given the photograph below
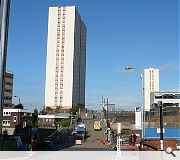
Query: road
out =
(92, 142)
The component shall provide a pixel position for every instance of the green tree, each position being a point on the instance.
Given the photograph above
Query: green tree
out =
(35, 118)
(58, 108)
(75, 109)
(42, 112)
(80, 105)
(64, 123)
(5, 132)
(19, 106)
(48, 109)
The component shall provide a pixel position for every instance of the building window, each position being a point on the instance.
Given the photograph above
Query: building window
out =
(15, 119)
(6, 113)
(6, 122)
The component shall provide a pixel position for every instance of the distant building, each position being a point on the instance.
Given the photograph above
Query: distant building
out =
(151, 84)
(50, 121)
(66, 58)
(14, 118)
(8, 89)
(168, 98)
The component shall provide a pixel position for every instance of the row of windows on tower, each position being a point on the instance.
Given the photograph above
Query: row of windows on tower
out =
(58, 55)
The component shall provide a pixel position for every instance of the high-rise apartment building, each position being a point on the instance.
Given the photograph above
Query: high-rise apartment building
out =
(8, 89)
(66, 58)
(151, 84)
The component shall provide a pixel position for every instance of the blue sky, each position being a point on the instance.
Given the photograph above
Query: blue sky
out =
(141, 33)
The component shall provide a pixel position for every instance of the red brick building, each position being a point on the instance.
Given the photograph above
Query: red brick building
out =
(14, 118)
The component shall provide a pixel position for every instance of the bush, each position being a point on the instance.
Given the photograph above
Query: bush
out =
(5, 132)
(9, 146)
(65, 123)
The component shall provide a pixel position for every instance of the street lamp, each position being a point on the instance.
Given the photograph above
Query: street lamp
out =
(142, 112)
(142, 108)
(18, 112)
(19, 99)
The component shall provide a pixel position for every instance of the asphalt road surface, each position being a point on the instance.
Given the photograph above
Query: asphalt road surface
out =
(92, 142)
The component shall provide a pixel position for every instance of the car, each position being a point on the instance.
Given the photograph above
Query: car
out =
(80, 133)
(80, 124)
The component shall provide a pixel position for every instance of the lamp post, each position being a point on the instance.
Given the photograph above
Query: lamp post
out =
(142, 113)
(19, 99)
(18, 111)
(142, 108)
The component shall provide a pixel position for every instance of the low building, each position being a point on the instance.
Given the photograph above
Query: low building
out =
(8, 89)
(168, 98)
(16, 118)
(50, 121)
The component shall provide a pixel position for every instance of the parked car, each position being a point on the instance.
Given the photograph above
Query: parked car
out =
(80, 124)
(80, 133)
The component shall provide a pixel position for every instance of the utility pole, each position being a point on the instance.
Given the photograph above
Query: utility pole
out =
(102, 102)
(107, 110)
